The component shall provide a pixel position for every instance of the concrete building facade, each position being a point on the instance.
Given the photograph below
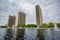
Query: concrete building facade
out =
(21, 18)
(39, 19)
(11, 20)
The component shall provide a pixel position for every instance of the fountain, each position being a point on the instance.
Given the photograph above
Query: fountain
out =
(13, 26)
(55, 27)
(38, 26)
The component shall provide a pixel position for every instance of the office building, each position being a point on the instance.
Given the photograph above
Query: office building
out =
(21, 18)
(11, 20)
(38, 15)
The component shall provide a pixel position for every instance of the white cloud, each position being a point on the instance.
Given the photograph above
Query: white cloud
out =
(50, 9)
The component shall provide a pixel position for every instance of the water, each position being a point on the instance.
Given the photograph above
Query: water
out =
(2, 33)
(29, 34)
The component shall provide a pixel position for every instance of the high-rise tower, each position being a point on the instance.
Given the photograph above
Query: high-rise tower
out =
(21, 18)
(38, 15)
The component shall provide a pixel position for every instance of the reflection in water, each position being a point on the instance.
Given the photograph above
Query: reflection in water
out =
(55, 34)
(29, 34)
(2, 33)
(48, 35)
(9, 34)
(20, 34)
(40, 34)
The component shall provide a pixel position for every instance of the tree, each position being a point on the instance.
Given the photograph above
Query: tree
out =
(24, 25)
(31, 25)
(58, 25)
(51, 25)
(18, 26)
(3, 26)
(44, 25)
(9, 26)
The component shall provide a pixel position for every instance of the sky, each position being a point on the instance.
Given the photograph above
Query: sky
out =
(50, 10)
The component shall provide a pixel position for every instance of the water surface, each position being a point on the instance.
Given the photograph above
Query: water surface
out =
(29, 34)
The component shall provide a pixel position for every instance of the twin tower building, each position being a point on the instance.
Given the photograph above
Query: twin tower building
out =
(21, 19)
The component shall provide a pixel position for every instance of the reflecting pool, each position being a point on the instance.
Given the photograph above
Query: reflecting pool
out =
(29, 34)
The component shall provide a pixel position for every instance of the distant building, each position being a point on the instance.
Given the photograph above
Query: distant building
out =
(11, 20)
(38, 15)
(21, 18)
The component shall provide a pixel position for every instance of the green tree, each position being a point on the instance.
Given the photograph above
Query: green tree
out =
(31, 25)
(18, 26)
(44, 25)
(51, 25)
(58, 25)
(3, 26)
(24, 26)
(10, 26)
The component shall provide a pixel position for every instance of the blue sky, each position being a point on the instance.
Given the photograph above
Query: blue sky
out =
(50, 10)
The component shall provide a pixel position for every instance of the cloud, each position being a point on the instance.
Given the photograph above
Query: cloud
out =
(50, 9)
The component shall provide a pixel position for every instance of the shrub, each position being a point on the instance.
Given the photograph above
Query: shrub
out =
(51, 25)
(18, 26)
(3, 26)
(44, 25)
(58, 25)
(31, 25)
(24, 25)
(9, 26)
